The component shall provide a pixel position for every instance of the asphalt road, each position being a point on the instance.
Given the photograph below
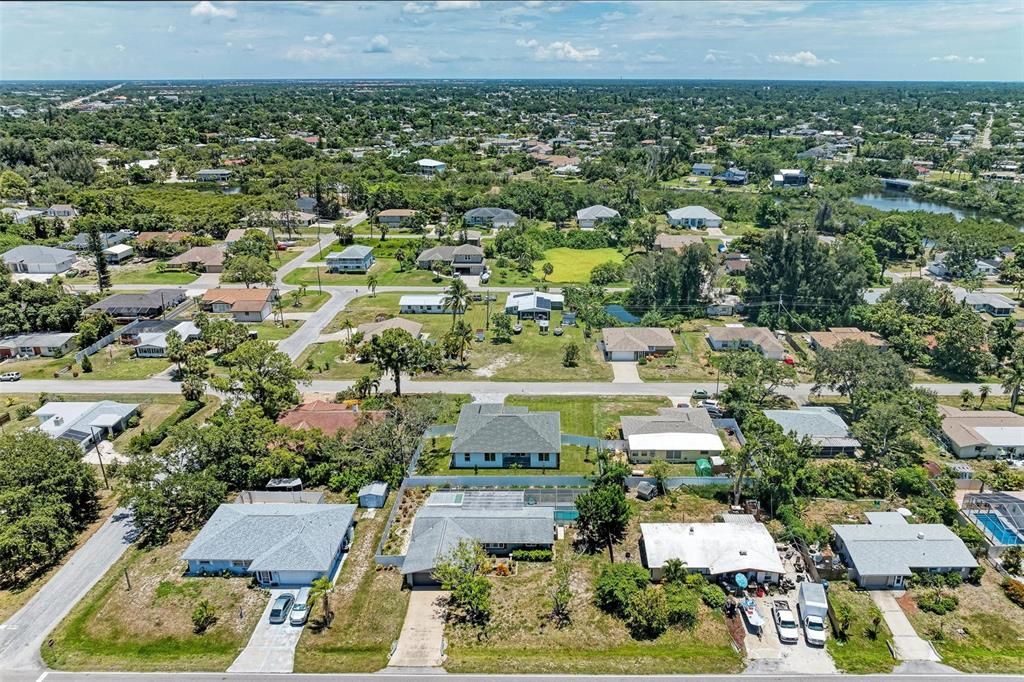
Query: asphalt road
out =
(23, 634)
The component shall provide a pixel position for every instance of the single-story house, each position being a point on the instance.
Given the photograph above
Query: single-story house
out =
(236, 233)
(372, 329)
(431, 166)
(212, 175)
(395, 217)
(203, 258)
(675, 242)
(988, 434)
(588, 218)
(175, 237)
(633, 343)
(716, 550)
(422, 304)
(133, 306)
(737, 338)
(293, 218)
(154, 344)
(355, 258)
(732, 176)
(278, 544)
(47, 344)
(131, 334)
(836, 335)
(533, 305)
(704, 169)
(21, 216)
(117, 254)
(491, 216)
(995, 305)
(496, 436)
(724, 305)
(826, 430)
(675, 434)
(464, 259)
(790, 177)
(107, 239)
(84, 423)
(245, 305)
(328, 418)
(887, 550)
(737, 267)
(373, 495)
(982, 268)
(694, 217)
(440, 526)
(62, 211)
(34, 259)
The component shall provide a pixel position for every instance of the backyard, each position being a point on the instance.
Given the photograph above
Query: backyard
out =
(115, 362)
(591, 415)
(149, 274)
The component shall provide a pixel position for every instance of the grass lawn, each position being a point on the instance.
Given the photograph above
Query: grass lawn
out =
(530, 356)
(330, 361)
(115, 362)
(736, 228)
(308, 302)
(386, 270)
(591, 415)
(147, 274)
(574, 265)
(985, 634)
(149, 627)
(860, 653)
(436, 459)
(369, 605)
(270, 330)
(692, 361)
(521, 638)
(279, 258)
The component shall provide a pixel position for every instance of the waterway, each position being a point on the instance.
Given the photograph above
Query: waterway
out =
(894, 200)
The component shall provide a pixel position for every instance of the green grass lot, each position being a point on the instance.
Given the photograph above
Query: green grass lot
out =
(694, 359)
(369, 606)
(574, 265)
(591, 415)
(530, 356)
(308, 302)
(279, 258)
(149, 627)
(115, 362)
(144, 274)
(386, 270)
(985, 634)
(270, 330)
(330, 361)
(436, 460)
(860, 653)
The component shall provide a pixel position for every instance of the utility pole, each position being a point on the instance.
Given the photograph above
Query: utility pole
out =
(487, 300)
(96, 445)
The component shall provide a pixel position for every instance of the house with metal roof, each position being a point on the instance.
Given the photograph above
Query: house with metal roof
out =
(491, 216)
(716, 550)
(676, 435)
(533, 305)
(790, 177)
(887, 550)
(496, 436)
(117, 254)
(693, 217)
(355, 258)
(373, 495)
(35, 259)
(449, 518)
(278, 544)
(988, 434)
(430, 304)
(588, 218)
(826, 430)
(84, 423)
(130, 306)
(633, 343)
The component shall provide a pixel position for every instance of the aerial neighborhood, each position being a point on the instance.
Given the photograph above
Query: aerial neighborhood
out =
(606, 377)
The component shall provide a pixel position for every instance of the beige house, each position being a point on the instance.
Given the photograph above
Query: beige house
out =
(739, 338)
(633, 343)
(245, 305)
(675, 242)
(836, 335)
(989, 434)
(676, 435)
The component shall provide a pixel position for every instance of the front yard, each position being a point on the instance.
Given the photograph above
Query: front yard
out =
(115, 362)
(149, 274)
(591, 415)
(385, 269)
(865, 649)
(271, 330)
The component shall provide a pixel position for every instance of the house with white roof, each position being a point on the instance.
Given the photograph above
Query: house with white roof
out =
(355, 258)
(84, 423)
(676, 434)
(154, 344)
(590, 217)
(35, 259)
(790, 177)
(693, 217)
(422, 304)
(431, 166)
(715, 550)
(533, 305)
(988, 434)
(117, 254)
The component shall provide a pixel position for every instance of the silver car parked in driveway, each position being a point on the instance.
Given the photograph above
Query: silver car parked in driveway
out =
(300, 609)
(282, 605)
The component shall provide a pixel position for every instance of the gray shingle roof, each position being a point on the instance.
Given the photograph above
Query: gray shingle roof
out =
(33, 253)
(274, 537)
(821, 424)
(898, 549)
(598, 211)
(493, 213)
(670, 420)
(492, 427)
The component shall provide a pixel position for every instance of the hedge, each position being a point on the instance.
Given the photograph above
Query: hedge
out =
(537, 555)
(144, 441)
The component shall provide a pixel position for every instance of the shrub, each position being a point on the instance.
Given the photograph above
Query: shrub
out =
(696, 580)
(938, 602)
(954, 579)
(536, 555)
(617, 584)
(1014, 590)
(646, 613)
(203, 617)
(1012, 559)
(86, 364)
(976, 573)
(144, 441)
(682, 607)
(713, 596)
(23, 412)
(606, 273)
(133, 421)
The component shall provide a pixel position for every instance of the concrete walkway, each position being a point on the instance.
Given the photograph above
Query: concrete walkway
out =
(422, 639)
(625, 373)
(271, 648)
(909, 646)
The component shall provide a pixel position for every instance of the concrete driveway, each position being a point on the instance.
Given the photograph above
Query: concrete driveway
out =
(271, 648)
(625, 373)
(420, 645)
(909, 646)
(767, 655)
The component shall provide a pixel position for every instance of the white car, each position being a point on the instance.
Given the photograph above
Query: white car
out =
(10, 376)
(485, 278)
(785, 622)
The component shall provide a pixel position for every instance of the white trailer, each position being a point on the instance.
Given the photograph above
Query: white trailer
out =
(813, 606)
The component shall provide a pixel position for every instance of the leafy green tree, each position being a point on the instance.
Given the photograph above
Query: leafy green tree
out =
(254, 243)
(1013, 374)
(603, 515)
(93, 328)
(175, 349)
(501, 328)
(616, 585)
(547, 269)
(961, 348)
(395, 351)
(674, 571)
(571, 354)
(754, 380)
(99, 259)
(263, 375)
(249, 270)
(12, 185)
(769, 213)
(859, 372)
(86, 365)
(893, 425)
(461, 572)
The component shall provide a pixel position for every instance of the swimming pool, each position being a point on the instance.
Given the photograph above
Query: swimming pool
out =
(999, 530)
(566, 515)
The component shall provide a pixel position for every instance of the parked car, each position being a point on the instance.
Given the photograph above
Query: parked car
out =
(282, 605)
(713, 407)
(485, 278)
(300, 610)
(10, 376)
(785, 622)
(700, 394)
(813, 608)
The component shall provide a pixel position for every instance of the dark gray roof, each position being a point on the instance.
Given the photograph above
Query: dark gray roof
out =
(492, 427)
(493, 213)
(127, 303)
(448, 253)
(274, 537)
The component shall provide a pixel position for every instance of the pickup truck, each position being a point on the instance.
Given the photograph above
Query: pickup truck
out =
(785, 622)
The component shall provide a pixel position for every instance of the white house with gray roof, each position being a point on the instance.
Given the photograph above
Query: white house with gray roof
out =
(588, 218)
(496, 436)
(491, 216)
(355, 258)
(826, 430)
(887, 550)
(693, 217)
(84, 423)
(676, 435)
(289, 544)
(35, 259)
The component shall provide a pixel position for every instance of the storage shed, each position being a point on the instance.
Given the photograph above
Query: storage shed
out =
(373, 495)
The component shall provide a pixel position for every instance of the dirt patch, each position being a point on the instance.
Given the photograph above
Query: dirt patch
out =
(497, 365)
(908, 604)
(400, 533)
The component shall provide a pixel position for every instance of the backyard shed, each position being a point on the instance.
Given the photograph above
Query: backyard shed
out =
(373, 495)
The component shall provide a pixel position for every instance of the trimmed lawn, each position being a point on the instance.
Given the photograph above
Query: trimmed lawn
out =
(279, 258)
(530, 356)
(149, 628)
(115, 362)
(574, 265)
(308, 302)
(329, 361)
(270, 330)
(369, 604)
(860, 653)
(436, 459)
(591, 415)
(692, 361)
(386, 270)
(148, 274)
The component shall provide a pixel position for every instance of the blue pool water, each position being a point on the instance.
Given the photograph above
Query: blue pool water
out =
(566, 515)
(621, 314)
(1002, 534)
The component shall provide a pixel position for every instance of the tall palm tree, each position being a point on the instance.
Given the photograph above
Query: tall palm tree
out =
(456, 297)
(983, 392)
(371, 284)
(462, 337)
(1013, 379)
(321, 589)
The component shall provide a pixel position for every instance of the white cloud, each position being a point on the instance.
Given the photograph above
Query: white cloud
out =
(208, 11)
(379, 44)
(325, 39)
(414, 8)
(803, 58)
(311, 53)
(526, 43)
(249, 47)
(534, 3)
(560, 50)
(957, 59)
(654, 58)
(120, 48)
(439, 6)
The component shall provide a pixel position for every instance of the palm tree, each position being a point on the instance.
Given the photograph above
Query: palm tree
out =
(371, 284)
(1013, 379)
(367, 385)
(321, 589)
(983, 392)
(456, 297)
(462, 337)
(547, 269)
(965, 397)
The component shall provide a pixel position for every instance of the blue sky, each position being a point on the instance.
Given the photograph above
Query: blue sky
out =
(781, 39)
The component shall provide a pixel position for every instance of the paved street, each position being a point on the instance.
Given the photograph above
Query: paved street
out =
(310, 330)
(23, 634)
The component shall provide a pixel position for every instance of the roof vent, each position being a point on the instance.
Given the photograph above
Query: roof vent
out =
(920, 535)
(58, 420)
(743, 552)
(691, 530)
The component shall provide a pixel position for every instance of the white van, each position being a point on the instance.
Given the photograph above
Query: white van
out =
(300, 609)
